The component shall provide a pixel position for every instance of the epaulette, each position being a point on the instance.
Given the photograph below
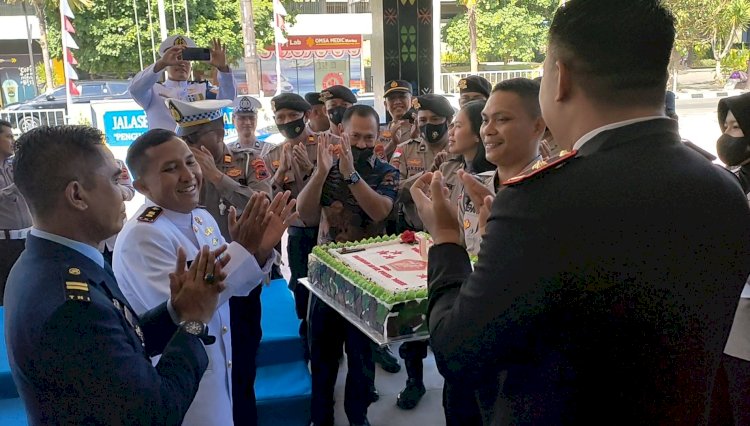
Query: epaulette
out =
(150, 214)
(542, 166)
(76, 287)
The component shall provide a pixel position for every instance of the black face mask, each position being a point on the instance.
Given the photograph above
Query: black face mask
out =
(293, 129)
(433, 132)
(361, 156)
(336, 114)
(733, 151)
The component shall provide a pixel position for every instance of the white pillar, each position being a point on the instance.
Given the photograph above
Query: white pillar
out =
(436, 60)
(162, 19)
(377, 57)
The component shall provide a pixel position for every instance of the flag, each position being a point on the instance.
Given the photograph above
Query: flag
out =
(71, 59)
(279, 25)
(69, 41)
(72, 89)
(69, 26)
(70, 72)
(65, 8)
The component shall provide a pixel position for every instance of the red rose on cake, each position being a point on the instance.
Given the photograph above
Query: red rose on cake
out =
(408, 237)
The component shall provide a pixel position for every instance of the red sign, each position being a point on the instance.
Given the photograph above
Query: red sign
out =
(332, 42)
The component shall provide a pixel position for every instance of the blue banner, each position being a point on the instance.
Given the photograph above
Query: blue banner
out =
(123, 127)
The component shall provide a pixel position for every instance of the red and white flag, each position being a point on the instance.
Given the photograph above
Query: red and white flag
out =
(279, 25)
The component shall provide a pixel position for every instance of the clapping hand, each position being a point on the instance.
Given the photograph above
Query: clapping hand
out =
(326, 153)
(440, 158)
(299, 154)
(219, 56)
(440, 218)
(278, 218)
(480, 196)
(247, 230)
(195, 291)
(346, 160)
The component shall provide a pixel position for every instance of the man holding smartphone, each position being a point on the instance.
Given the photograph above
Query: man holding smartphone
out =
(151, 95)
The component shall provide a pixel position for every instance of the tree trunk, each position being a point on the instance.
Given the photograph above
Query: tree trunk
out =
(473, 39)
(251, 58)
(40, 15)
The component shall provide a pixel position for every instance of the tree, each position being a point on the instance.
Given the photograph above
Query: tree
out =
(263, 16)
(43, 9)
(471, 18)
(505, 30)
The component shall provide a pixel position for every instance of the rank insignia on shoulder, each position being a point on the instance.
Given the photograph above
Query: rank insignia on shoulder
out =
(150, 214)
(542, 166)
(77, 290)
(227, 159)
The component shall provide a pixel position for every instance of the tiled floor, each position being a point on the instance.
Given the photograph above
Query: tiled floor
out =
(429, 412)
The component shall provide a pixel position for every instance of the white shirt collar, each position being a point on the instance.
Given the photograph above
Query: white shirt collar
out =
(172, 83)
(592, 134)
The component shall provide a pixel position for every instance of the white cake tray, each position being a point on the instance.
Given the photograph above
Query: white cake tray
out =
(374, 335)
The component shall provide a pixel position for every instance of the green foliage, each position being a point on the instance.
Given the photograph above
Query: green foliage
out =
(263, 17)
(735, 60)
(506, 30)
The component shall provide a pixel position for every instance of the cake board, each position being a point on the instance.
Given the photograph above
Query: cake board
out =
(374, 335)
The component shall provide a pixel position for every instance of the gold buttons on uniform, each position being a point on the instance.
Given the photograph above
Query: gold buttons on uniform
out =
(224, 329)
(229, 364)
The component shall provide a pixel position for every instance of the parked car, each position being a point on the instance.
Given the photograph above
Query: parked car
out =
(35, 112)
(268, 82)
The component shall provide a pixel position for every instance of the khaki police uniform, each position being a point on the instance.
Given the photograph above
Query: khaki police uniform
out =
(386, 146)
(468, 213)
(295, 179)
(411, 158)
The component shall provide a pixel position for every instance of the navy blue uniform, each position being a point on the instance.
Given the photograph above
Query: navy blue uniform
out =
(78, 353)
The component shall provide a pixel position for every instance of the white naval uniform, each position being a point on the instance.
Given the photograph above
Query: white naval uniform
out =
(151, 96)
(145, 253)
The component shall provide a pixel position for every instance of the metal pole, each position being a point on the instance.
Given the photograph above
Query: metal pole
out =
(162, 19)
(138, 34)
(174, 18)
(436, 84)
(151, 29)
(28, 42)
(187, 21)
(251, 56)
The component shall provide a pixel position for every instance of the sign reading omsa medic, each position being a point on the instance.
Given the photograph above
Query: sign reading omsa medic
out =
(333, 42)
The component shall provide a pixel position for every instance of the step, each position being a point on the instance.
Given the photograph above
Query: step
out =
(283, 394)
(12, 412)
(281, 342)
(7, 387)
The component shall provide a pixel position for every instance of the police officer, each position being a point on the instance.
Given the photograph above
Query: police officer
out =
(230, 179)
(397, 99)
(245, 121)
(15, 219)
(337, 99)
(473, 88)
(291, 164)
(318, 115)
(78, 352)
(151, 95)
(412, 158)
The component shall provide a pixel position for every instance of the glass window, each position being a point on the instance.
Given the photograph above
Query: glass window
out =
(92, 89)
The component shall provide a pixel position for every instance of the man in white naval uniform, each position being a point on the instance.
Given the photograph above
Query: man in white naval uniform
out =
(165, 171)
(151, 95)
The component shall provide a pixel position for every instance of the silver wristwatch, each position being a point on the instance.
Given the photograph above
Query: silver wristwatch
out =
(199, 329)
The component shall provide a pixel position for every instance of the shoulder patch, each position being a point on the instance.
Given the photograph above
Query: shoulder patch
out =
(228, 159)
(76, 287)
(150, 214)
(542, 166)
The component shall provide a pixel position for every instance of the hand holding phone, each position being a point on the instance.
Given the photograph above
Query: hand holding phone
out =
(196, 54)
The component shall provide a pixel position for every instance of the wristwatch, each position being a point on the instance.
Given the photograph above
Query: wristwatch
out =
(199, 329)
(352, 179)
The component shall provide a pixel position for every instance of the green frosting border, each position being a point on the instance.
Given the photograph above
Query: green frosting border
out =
(388, 298)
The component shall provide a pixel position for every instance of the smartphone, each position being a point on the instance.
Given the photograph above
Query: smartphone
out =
(196, 54)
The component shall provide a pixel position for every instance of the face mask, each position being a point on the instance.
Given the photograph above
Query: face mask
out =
(292, 129)
(433, 132)
(732, 151)
(362, 156)
(336, 115)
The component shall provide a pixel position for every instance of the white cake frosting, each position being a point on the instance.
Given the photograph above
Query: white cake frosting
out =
(392, 265)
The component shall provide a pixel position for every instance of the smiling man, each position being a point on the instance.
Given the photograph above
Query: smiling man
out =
(593, 299)
(166, 172)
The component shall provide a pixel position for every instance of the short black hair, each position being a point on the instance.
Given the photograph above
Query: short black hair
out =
(49, 158)
(5, 123)
(618, 51)
(137, 151)
(360, 111)
(473, 111)
(526, 89)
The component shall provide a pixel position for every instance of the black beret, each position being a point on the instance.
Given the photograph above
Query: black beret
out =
(290, 101)
(313, 98)
(338, 92)
(740, 107)
(435, 103)
(395, 86)
(475, 83)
